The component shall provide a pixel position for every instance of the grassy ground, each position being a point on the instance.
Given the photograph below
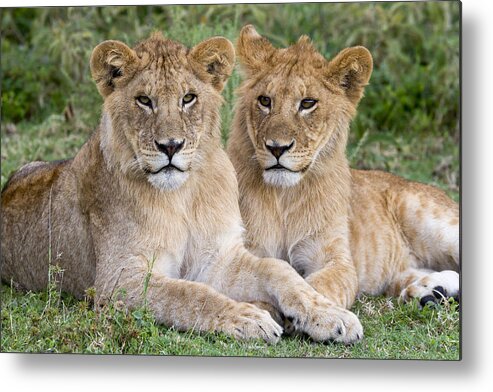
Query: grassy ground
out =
(48, 322)
(407, 124)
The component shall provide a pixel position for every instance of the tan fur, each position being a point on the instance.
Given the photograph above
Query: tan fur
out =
(114, 216)
(346, 231)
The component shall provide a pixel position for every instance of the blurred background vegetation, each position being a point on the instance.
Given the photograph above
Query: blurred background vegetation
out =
(408, 122)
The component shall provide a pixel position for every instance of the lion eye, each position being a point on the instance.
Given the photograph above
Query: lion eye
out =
(307, 103)
(188, 98)
(144, 100)
(264, 101)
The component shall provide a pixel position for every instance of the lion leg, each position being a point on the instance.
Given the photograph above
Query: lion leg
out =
(336, 281)
(429, 221)
(187, 305)
(246, 277)
(425, 285)
(328, 267)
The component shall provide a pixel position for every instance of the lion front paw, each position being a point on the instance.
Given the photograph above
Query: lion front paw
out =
(273, 311)
(433, 288)
(249, 322)
(326, 322)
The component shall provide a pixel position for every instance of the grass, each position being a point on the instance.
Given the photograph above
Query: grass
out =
(53, 323)
(407, 124)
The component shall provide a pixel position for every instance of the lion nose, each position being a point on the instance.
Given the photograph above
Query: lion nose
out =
(278, 149)
(170, 147)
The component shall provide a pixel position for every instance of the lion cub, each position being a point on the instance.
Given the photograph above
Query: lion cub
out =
(149, 205)
(345, 231)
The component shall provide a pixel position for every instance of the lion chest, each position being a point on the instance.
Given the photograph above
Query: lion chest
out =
(271, 232)
(184, 246)
(286, 229)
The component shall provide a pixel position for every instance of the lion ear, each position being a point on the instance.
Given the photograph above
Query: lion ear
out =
(213, 60)
(254, 51)
(351, 70)
(112, 64)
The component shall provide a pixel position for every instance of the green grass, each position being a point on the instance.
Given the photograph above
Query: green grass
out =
(407, 124)
(48, 322)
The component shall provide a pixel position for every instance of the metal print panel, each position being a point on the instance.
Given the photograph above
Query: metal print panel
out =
(267, 180)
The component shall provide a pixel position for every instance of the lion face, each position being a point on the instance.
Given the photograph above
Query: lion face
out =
(161, 102)
(296, 102)
(163, 123)
(287, 124)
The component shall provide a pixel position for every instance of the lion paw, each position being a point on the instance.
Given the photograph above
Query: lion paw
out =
(273, 311)
(250, 322)
(331, 323)
(433, 288)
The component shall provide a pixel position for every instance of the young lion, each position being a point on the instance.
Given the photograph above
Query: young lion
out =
(346, 231)
(151, 201)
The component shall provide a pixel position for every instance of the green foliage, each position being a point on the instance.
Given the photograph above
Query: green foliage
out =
(414, 88)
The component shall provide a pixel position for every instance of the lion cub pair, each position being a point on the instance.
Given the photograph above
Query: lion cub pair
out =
(148, 208)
